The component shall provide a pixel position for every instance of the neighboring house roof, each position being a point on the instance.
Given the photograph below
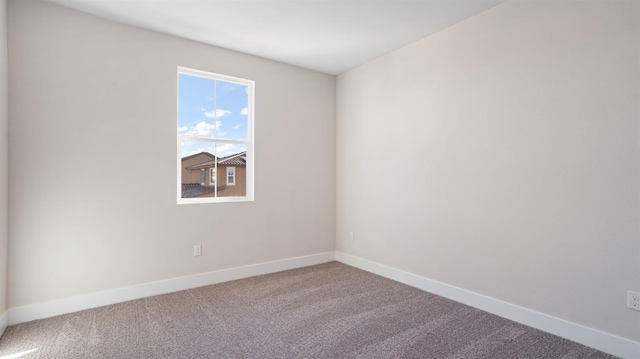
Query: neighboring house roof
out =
(194, 190)
(238, 159)
(198, 154)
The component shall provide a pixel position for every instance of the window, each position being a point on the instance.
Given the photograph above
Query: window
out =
(212, 176)
(231, 176)
(214, 135)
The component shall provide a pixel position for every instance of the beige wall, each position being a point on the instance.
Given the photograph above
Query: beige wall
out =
(513, 139)
(4, 156)
(514, 136)
(90, 94)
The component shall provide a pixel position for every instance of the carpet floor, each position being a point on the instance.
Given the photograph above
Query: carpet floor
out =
(324, 311)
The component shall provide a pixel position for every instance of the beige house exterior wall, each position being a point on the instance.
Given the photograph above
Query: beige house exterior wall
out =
(193, 176)
(224, 190)
(239, 189)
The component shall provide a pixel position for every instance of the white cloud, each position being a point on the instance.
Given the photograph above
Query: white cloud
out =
(244, 111)
(226, 149)
(229, 87)
(201, 129)
(217, 113)
(237, 126)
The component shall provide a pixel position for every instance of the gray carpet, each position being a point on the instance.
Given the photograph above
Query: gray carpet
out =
(325, 311)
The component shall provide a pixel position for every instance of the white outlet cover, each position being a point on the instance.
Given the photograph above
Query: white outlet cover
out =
(633, 300)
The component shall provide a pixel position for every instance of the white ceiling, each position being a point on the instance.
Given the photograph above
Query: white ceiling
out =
(329, 36)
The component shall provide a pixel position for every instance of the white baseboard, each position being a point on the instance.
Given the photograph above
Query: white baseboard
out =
(594, 338)
(98, 299)
(4, 322)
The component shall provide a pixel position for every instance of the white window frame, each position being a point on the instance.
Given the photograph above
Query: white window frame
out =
(213, 176)
(248, 143)
(233, 175)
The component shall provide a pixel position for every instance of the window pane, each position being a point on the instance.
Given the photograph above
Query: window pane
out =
(234, 165)
(231, 176)
(212, 108)
(206, 167)
(215, 130)
(212, 176)
(194, 95)
(232, 102)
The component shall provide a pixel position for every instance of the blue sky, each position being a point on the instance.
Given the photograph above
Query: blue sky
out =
(213, 109)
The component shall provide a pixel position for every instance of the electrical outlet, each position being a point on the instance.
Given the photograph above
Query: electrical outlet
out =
(350, 236)
(633, 300)
(197, 250)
